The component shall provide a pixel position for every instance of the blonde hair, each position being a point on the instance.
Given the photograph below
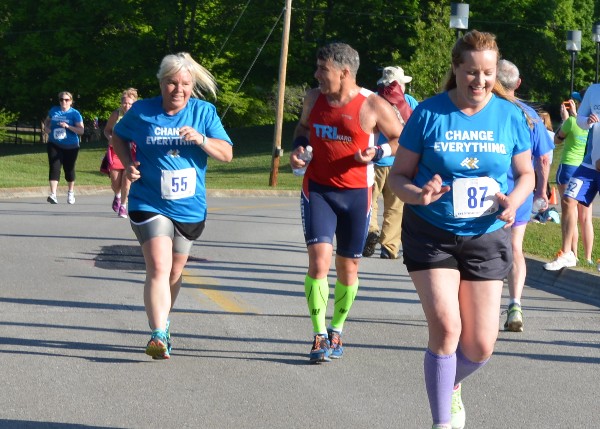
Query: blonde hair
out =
(546, 119)
(203, 79)
(130, 93)
(67, 93)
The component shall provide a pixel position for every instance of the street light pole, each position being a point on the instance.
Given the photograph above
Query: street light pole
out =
(573, 46)
(459, 17)
(596, 39)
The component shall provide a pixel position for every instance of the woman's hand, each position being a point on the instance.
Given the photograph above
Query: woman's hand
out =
(509, 213)
(190, 134)
(132, 172)
(433, 190)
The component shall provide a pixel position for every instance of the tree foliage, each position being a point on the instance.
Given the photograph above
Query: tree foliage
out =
(96, 49)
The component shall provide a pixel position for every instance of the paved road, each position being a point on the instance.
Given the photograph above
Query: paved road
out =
(73, 331)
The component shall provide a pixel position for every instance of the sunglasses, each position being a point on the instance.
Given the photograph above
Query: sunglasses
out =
(64, 99)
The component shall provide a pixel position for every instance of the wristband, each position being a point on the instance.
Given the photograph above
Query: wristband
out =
(382, 151)
(203, 141)
(300, 141)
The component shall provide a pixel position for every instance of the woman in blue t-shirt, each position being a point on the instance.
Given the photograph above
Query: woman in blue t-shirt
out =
(451, 172)
(64, 125)
(174, 134)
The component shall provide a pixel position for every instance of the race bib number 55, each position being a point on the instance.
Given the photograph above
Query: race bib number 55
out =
(475, 197)
(176, 184)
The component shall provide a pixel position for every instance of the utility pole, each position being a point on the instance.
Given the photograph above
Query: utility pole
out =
(277, 150)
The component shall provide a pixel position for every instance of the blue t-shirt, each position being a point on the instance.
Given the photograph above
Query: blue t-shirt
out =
(60, 136)
(412, 101)
(169, 166)
(472, 154)
(541, 144)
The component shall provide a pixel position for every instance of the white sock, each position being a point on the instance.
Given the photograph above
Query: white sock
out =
(514, 301)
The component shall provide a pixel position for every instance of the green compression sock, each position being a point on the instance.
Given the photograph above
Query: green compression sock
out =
(317, 295)
(344, 297)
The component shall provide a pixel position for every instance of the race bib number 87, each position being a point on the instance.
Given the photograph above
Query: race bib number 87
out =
(475, 197)
(176, 184)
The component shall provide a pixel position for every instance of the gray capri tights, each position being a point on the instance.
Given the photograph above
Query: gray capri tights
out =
(159, 226)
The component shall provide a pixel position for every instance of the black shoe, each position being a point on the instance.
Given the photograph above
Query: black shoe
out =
(385, 254)
(372, 240)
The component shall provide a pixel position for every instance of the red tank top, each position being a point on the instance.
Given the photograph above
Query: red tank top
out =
(336, 135)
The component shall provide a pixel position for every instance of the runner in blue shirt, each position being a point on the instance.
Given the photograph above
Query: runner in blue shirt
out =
(451, 172)
(174, 136)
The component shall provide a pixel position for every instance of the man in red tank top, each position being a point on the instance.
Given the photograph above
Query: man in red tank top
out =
(340, 121)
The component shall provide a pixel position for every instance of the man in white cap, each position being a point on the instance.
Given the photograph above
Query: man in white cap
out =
(396, 73)
(391, 87)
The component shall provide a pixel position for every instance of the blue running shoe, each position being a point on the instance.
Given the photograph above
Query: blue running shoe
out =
(157, 346)
(335, 342)
(320, 350)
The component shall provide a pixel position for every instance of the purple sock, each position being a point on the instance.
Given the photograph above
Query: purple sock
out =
(465, 367)
(440, 372)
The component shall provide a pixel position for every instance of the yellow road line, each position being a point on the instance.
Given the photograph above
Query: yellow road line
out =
(219, 298)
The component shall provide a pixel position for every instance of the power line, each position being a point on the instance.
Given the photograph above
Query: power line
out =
(254, 61)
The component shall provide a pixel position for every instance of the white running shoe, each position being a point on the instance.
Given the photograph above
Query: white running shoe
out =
(70, 197)
(52, 199)
(457, 412)
(563, 260)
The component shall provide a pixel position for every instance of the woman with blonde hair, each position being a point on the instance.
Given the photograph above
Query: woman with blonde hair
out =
(174, 133)
(64, 126)
(116, 170)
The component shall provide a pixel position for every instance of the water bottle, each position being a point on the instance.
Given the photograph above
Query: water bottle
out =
(538, 205)
(306, 156)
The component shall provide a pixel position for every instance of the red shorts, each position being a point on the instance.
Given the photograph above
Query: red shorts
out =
(114, 163)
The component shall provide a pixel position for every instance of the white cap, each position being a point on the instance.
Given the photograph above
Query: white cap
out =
(393, 73)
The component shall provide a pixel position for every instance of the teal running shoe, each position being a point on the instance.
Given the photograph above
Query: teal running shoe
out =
(320, 350)
(335, 344)
(157, 347)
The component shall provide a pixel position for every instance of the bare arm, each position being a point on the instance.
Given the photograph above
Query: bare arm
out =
(542, 173)
(378, 115)
(110, 125)
(215, 148)
(402, 174)
(302, 130)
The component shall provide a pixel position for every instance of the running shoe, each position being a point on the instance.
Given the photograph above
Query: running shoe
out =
(372, 240)
(514, 318)
(335, 342)
(158, 346)
(457, 412)
(116, 204)
(563, 260)
(70, 197)
(122, 212)
(441, 426)
(320, 350)
(52, 199)
(168, 331)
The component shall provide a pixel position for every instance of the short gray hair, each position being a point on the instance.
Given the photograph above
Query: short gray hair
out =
(508, 74)
(203, 79)
(342, 55)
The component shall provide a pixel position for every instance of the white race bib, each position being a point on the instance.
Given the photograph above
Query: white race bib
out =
(60, 133)
(475, 197)
(176, 184)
